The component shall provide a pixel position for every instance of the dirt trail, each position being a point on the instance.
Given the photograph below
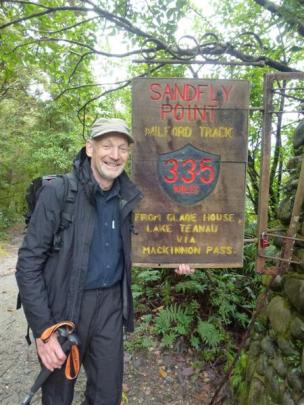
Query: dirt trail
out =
(151, 377)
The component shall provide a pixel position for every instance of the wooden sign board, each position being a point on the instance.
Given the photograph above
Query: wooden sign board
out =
(189, 159)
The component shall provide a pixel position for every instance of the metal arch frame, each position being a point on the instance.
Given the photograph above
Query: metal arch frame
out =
(210, 50)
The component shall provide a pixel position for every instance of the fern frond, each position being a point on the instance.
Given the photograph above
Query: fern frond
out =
(191, 286)
(209, 333)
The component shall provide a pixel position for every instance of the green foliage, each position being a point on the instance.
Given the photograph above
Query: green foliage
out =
(174, 321)
(36, 138)
(149, 275)
(143, 286)
(238, 378)
(142, 337)
(192, 286)
(209, 334)
(229, 295)
(204, 310)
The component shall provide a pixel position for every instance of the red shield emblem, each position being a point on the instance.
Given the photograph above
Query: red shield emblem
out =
(188, 175)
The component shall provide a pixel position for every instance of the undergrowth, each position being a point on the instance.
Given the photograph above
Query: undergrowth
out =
(207, 311)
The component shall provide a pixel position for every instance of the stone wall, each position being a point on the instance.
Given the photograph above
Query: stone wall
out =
(274, 372)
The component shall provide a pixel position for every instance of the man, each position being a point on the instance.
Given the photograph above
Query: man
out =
(88, 280)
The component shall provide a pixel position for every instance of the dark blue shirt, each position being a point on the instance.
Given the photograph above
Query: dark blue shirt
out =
(106, 258)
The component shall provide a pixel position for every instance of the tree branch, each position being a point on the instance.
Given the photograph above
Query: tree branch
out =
(122, 86)
(212, 48)
(126, 25)
(289, 96)
(218, 49)
(80, 60)
(35, 15)
(282, 13)
(251, 198)
(82, 86)
(31, 3)
(65, 28)
(90, 48)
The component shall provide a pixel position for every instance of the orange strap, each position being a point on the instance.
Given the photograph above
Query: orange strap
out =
(72, 366)
(46, 334)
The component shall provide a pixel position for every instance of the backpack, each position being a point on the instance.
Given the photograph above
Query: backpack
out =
(70, 190)
(32, 195)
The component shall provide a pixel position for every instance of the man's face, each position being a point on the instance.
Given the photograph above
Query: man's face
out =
(109, 155)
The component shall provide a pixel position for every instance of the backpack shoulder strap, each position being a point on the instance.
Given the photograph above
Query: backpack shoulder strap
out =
(72, 184)
(71, 188)
(67, 211)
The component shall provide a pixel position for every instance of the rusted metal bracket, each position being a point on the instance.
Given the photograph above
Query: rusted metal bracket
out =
(289, 239)
(277, 235)
(280, 259)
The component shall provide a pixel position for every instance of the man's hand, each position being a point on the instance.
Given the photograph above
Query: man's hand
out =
(184, 269)
(50, 353)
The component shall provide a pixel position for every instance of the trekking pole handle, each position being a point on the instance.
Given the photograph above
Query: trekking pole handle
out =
(70, 340)
(28, 398)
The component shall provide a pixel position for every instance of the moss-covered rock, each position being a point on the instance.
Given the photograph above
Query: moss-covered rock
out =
(300, 243)
(267, 345)
(287, 399)
(262, 364)
(274, 387)
(277, 283)
(295, 380)
(251, 368)
(298, 139)
(300, 257)
(297, 328)
(254, 349)
(294, 163)
(294, 289)
(279, 366)
(291, 186)
(285, 209)
(277, 240)
(302, 361)
(286, 346)
(260, 327)
(279, 314)
(257, 392)
(274, 283)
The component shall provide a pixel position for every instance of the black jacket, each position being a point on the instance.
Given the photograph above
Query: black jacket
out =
(51, 284)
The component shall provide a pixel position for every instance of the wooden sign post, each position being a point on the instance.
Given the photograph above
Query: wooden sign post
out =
(189, 160)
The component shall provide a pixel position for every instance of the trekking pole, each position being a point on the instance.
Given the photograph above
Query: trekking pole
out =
(71, 340)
